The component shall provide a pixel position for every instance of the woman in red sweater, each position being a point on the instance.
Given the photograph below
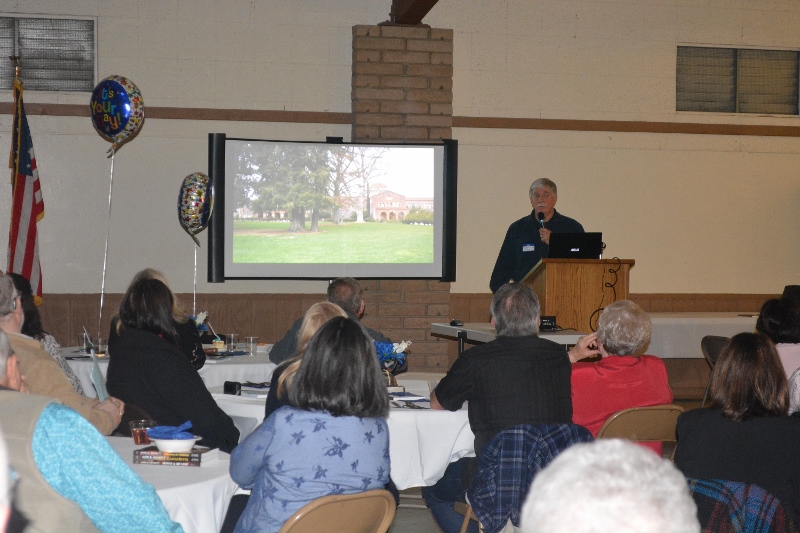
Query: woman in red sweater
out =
(622, 378)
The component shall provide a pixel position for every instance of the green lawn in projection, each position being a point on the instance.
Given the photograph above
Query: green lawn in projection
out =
(368, 242)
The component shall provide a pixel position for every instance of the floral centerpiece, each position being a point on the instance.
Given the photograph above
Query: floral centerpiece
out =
(200, 322)
(391, 354)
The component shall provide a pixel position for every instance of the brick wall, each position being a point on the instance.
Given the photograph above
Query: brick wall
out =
(403, 92)
(404, 310)
(402, 83)
(401, 309)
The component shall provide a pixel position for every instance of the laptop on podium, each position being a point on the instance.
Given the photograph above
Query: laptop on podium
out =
(576, 245)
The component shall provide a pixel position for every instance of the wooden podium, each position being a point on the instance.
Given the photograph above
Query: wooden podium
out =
(573, 289)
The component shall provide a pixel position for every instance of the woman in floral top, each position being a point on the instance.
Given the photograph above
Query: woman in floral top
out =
(332, 439)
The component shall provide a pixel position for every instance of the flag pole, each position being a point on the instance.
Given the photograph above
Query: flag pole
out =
(27, 205)
(12, 157)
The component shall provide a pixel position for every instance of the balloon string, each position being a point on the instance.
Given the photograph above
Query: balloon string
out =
(105, 253)
(194, 301)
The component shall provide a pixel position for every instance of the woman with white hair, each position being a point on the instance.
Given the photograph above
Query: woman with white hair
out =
(609, 486)
(622, 378)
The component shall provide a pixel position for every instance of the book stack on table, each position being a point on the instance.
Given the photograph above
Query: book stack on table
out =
(197, 456)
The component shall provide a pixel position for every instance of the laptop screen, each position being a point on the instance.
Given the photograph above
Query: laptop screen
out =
(576, 245)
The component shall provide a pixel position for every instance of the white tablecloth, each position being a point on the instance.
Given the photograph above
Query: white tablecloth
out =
(256, 368)
(421, 442)
(196, 497)
(678, 335)
(674, 336)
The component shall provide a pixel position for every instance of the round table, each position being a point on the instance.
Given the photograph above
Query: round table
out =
(256, 368)
(422, 442)
(195, 497)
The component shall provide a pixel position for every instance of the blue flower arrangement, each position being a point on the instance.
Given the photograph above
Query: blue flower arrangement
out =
(391, 355)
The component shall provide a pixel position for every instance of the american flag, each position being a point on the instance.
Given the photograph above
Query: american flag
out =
(27, 205)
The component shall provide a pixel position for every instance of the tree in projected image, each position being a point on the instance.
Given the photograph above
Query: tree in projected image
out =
(340, 160)
(248, 176)
(300, 180)
(352, 171)
(366, 167)
(296, 179)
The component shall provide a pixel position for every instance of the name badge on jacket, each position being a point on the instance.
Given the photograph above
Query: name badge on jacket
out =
(528, 247)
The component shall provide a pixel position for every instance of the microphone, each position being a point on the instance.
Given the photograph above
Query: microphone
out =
(540, 216)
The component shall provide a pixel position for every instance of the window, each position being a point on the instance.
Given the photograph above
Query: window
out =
(730, 80)
(55, 54)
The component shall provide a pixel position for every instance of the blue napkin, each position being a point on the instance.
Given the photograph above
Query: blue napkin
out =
(171, 432)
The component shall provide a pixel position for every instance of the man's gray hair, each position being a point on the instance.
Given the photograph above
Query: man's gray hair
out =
(540, 183)
(346, 293)
(624, 328)
(609, 486)
(515, 310)
(5, 353)
(8, 295)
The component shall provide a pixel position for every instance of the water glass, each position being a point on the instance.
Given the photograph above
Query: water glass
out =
(251, 345)
(82, 341)
(233, 342)
(100, 346)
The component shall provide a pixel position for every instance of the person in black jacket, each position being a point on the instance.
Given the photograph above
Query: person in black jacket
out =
(148, 369)
(185, 327)
(746, 435)
(528, 240)
(347, 294)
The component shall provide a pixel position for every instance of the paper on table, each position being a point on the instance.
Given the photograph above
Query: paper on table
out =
(408, 397)
(254, 393)
(98, 380)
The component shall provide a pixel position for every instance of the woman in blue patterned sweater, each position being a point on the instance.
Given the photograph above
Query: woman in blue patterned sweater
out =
(331, 439)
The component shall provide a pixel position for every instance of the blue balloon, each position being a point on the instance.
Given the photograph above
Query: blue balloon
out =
(117, 109)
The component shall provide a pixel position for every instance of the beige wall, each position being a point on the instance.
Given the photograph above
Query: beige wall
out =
(699, 213)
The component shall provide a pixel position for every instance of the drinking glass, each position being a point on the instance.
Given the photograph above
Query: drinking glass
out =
(139, 430)
(233, 342)
(82, 341)
(100, 346)
(251, 344)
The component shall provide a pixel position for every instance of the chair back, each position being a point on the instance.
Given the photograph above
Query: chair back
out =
(643, 424)
(734, 506)
(711, 346)
(508, 464)
(363, 512)
(130, 414)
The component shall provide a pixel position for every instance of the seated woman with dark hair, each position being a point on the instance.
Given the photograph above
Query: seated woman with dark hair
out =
(746, 435)
(185, 328)
(32, 327)
(622, 378)
(779, 320)
(332, 439)
(148, 369)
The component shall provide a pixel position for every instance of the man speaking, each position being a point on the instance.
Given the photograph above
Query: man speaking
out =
(527, 240)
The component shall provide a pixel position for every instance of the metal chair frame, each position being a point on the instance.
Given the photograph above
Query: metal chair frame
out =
(364, 512)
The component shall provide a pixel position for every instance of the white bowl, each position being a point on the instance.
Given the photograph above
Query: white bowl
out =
(175, 445)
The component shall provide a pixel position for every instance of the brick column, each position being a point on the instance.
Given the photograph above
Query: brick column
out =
(403, 92)
(402, 83)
